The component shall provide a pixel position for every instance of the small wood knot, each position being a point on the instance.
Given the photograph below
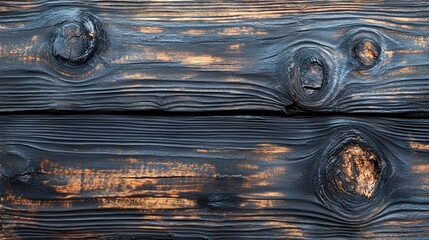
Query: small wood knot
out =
(366, 52)
(75, 42)
(218, 201)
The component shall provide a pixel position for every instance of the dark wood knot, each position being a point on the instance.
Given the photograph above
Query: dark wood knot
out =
(310, 76)
(218, 201)
(15, 167)
(313, 75)
(76, 41)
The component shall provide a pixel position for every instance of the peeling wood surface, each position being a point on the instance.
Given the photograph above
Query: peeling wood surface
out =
(213, 177)
(194, 56)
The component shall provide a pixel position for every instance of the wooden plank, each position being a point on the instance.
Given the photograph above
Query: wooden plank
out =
(218, 177)
(194, 56)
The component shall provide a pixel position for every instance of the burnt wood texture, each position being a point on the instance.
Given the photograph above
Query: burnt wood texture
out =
(214, 119)
(327, 56)
(214, 177)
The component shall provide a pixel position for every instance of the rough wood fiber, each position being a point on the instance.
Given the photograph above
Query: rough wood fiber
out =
(217, 177)
(327, 56)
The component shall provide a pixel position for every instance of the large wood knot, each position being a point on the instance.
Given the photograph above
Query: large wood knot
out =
(77, 40)
(357, 170)
(350, 175)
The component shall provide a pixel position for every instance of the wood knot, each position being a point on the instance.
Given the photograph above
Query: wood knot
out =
(358, 170)
(349, 176)
(310, 77)
(365, 48)
(218, 201)
(313, 75)
(75, 42)
(366, 52)
(15, 166)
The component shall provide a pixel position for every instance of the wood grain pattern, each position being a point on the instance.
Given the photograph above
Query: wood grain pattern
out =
(210, 177)
(197, 56)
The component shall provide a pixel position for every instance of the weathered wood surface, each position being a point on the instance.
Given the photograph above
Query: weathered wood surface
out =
(327, 56)
(213, 177)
